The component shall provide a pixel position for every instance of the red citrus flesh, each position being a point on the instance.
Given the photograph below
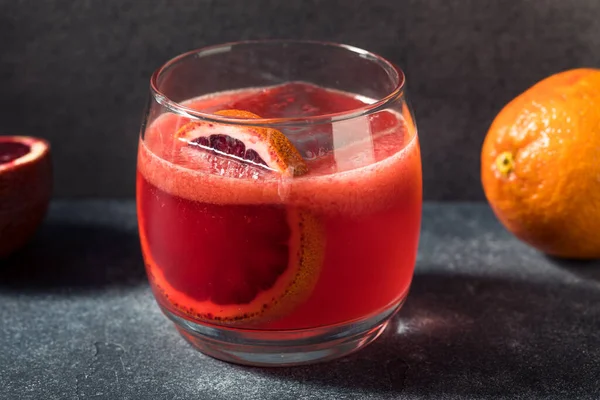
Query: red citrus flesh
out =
(273, 253)
(25, 188)
(10, 151)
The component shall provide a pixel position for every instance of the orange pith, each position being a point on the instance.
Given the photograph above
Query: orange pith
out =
(540, 165)
(305, 245)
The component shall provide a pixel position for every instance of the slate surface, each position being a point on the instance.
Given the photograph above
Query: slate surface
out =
(487, 318)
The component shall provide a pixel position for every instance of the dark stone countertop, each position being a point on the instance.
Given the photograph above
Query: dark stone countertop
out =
(487, 317)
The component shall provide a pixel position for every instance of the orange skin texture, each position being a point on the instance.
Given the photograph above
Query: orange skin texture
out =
(549, 196)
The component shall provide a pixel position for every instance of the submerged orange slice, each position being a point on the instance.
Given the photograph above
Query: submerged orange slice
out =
(261, 270)
(233, 264)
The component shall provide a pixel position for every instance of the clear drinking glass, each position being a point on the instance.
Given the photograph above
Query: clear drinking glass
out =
(279, 198)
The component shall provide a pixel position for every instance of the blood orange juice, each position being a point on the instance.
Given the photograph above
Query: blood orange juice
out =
(285, 234)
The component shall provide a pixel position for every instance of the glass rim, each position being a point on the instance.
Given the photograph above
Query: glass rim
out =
(176, 107)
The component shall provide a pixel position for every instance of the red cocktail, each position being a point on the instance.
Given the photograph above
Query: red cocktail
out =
(279, 223)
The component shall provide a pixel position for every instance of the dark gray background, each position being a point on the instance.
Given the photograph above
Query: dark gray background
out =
(76, 72)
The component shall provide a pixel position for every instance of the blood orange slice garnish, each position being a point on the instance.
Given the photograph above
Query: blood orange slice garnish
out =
(234, 263)
(257, 145)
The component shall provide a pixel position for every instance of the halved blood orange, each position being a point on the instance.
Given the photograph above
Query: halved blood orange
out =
(231, 263)
(25, 189)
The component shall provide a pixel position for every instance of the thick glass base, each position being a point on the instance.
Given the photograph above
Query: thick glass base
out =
(283, 348)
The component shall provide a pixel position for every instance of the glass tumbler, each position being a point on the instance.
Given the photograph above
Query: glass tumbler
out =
(279, 198)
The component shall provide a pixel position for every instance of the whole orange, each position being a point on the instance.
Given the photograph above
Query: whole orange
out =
(540, 165)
